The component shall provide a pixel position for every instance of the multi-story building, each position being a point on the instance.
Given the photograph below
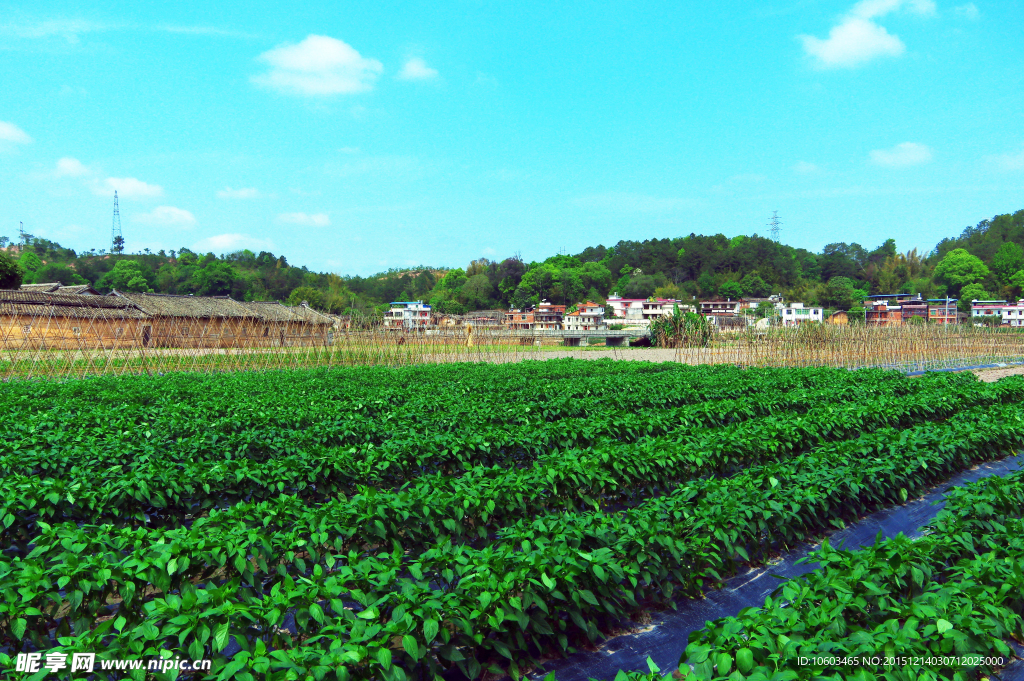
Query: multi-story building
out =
(407, 315)
(795, 314)
(587, 317)
(942, 310)
(880, 313)
(547, 316)
(519, 320)
(1011, 314)
(887, 309)
(637, 309)
(727, 307)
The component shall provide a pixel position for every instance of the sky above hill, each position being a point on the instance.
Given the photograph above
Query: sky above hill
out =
(355, 137)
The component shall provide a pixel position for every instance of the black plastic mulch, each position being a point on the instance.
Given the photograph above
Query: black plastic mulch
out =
(667, 636)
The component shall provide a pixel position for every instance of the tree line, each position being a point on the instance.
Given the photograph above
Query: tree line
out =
(984, 262)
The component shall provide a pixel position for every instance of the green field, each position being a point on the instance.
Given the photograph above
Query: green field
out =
(408, 523)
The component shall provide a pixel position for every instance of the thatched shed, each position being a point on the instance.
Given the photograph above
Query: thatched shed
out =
(195, 321)
(32, 319)
(282, 325)
(57, 287)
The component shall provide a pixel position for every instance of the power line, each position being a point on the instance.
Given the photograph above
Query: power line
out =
(774, 223)
(116, 240)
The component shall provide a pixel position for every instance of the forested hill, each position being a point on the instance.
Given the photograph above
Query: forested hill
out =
(985, 261)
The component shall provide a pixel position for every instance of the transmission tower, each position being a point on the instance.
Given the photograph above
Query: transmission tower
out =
(774, 225)
(21, 231)
(116, 240)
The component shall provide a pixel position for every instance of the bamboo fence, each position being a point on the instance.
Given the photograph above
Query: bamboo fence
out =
(63, 351)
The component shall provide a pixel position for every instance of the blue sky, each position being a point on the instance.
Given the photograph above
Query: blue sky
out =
(354, 137)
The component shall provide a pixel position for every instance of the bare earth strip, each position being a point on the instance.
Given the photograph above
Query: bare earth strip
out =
(993, 375)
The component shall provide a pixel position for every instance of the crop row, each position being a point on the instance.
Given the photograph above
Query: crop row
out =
(276, 418)
(957, 592)
(546, 586)
(398, 458)
(475, 504)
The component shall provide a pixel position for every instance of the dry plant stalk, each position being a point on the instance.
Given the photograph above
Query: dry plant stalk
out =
(60, 347)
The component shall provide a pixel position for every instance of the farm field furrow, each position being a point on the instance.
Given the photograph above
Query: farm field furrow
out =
(954, 592)
(483, 499)
(314, 560)
(137, 425)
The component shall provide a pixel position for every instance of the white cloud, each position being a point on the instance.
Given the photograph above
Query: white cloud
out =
(69, 29)
(902, 155)
(1009, 161)
(70, 167)
(489, 251)
(870, 9)
(805, 167)
(243, 193)
(9, 132)
(225, 243)
(349, 150)
(319, 65)
(968, 11)
(852, 43)
(314, 220)
(166, 216)
(857, 39)
(417, 69)
(127, 187)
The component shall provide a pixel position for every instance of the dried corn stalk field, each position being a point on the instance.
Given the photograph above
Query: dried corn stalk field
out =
(66, 348)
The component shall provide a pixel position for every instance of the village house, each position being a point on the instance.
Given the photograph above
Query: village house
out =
(1010, 314)
(794, 314)
(587, 317)
(942, 311)
(408, 314)
(642, 311)
(547, 316)
(880, 313)
(519, 320)
(838, 318)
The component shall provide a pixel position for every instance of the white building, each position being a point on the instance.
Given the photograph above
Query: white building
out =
(795, 314)
(407, 315)
(1010, 314)
(587, 317)
(643, 310)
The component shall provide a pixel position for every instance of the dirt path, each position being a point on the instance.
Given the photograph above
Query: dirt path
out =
(993, 375)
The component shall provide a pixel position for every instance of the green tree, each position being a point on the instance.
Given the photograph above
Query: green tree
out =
(755, 287)
(1007, 261)
(214, 279)
(11, 274)
(59, 273)
(30, 263)
(452, 281)
(127, 275)
(730, 289)
(450, 307)
(839, 293)
(642, 286)
(1017, 280)
(476, 292)
(312, 297)
(959, 268)
(972, 292)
